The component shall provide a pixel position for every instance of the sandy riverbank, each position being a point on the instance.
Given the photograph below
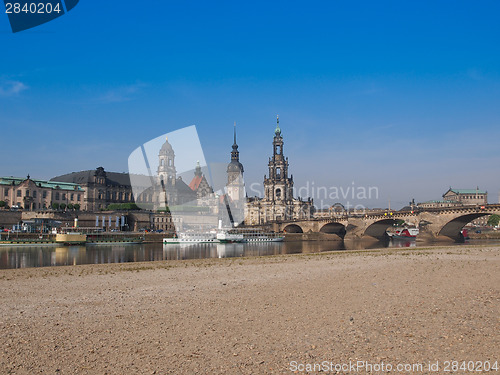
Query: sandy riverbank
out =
(252, 316)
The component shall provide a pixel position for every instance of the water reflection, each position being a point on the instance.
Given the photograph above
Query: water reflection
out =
(56, 255)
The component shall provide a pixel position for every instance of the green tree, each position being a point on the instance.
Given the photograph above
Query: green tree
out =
(70, 206)
(76, 206)
(55, 206)
(494, 220)
(123, 206)
(62, 206)
(2, 204)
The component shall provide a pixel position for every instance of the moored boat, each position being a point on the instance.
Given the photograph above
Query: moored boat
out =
(229, 236)
(193, 237)
(256, 236)
(403, 234)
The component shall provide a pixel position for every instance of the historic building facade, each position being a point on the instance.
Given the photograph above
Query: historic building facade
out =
(101, 188)
(458, 197)
(467, 196)
(204, 192)
(31, 194)
(278, 203)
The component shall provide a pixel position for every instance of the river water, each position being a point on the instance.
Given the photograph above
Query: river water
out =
(57, 255)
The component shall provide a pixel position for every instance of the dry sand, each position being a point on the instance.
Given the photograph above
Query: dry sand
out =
(253, 316)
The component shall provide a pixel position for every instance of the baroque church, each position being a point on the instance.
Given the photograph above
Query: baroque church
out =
(171, 190)
(278, 203)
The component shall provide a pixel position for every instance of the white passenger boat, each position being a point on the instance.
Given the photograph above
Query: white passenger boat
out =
(224, 236)
(254, 235)
(193, 237)
(229, 236)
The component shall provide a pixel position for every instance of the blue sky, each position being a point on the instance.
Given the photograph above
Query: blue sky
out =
(403, 96)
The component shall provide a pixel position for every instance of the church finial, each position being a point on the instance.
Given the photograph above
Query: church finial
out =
(278, 130)
(197, 170)
(234, 132)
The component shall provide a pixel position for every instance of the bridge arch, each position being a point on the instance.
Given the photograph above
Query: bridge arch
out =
(334, 228)
(379, 227)
(293, 228)
(454, 227)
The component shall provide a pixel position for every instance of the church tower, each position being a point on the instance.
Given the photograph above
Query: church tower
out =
(278, 187)
(166, 165)
(235, 185)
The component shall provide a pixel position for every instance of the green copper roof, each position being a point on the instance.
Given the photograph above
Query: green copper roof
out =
(41, 183)
(278, 130)
(438, 201)
(467, 191)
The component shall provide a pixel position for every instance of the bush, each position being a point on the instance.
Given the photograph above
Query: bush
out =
(494, 220)
(123, 206)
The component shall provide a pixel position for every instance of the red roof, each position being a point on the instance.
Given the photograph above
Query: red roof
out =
(195, 182)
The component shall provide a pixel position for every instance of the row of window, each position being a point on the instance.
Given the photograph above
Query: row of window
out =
(472, 197)
(33, 206)
(34, 194)
(167, 219)
(120, 196)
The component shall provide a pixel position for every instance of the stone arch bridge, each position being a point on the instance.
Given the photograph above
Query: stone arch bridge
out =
(433, 223)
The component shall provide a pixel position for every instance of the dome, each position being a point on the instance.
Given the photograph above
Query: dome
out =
(235, 166)
(166, 148)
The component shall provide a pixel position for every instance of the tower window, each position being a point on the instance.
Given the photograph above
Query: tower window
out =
(278, 149)
(278, 193)
(278, 172)
(169, 162)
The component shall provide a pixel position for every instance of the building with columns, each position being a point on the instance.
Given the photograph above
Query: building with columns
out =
(278, 203)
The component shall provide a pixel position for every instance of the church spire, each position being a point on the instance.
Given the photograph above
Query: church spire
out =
(197, 170)
(235, 155)
(234, 133)
(235, 165)
(278, 130)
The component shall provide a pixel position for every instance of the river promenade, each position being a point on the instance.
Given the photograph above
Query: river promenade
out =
(253, 315)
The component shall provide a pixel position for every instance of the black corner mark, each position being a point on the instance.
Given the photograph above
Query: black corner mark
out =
(26, 14)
